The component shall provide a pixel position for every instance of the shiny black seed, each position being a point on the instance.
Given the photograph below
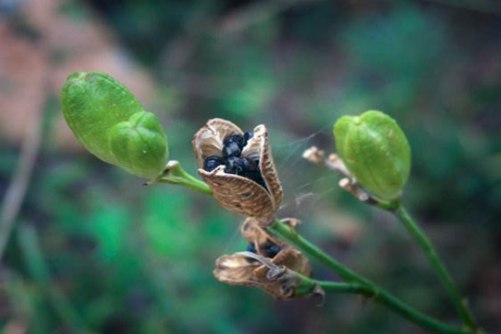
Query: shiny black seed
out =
(212, 162)
(251, 165)
(237, 139)
(252, 172)
(233, 145)
(232, 149)
(247, 135)
(245, 167)
(258, 178)
(237, 165)
(251, 248)
(270, 250)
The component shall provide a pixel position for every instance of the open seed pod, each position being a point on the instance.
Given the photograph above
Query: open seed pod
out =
(268, 264)
(234, 192)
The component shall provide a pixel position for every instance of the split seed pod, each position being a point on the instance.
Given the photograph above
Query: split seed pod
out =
(237, 193)
(375, 151)
(110, 122)
(276, 275)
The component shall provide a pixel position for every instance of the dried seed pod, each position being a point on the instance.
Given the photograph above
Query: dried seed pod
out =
(375, 151)
(238, 193)
(109, 121)
(263, 241)
(276, 274)
(277, 277)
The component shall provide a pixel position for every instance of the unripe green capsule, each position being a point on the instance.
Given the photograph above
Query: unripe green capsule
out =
(376, 151)
(110, 122)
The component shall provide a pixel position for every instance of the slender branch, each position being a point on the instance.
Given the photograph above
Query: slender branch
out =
(174, 173)
(285, 232)
(356, 284)
(361, 284)
(197, 185)
(444, 276)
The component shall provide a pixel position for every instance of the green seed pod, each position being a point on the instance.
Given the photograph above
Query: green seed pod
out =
(375, 151)
(109, 121)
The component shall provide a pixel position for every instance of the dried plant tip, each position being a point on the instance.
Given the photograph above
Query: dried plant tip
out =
(353, 188)
(335, 163)
(239, 168)
(292, 222)
(314, 155)
(317, 156)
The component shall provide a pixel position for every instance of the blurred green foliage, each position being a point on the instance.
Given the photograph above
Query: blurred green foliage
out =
(96, 250)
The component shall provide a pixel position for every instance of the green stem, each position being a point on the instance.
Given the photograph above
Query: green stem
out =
(285, 232)
(446, 279)
(174, 173)
(361, 284)
(308, 284)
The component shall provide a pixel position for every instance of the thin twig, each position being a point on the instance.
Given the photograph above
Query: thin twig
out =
(371, 289)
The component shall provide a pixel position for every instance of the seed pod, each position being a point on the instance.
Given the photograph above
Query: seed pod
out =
(234, 192)
(110, 122)
(276, 274)
(375, 151)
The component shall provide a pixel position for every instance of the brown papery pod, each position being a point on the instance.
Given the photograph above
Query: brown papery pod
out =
(237, 193)
(275, 274)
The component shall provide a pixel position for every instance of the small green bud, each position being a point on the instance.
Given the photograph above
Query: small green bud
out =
(110, 122)
(375, 151)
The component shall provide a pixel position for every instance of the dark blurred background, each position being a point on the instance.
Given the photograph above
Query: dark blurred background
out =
(92, 250)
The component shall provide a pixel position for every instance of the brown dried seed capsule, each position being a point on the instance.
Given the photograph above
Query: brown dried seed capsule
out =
(271, 275)
(238, 193)
(276, 275)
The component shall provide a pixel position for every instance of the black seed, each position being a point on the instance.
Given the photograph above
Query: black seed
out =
(247, 135)
(212, 162)
(251, 165)
(258, 178)
(253, 175)
(270, 250)
(245, 167)
(236, 165)
(231, 150)
(237, 139)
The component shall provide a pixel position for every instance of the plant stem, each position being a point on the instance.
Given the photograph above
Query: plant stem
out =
(360, 284)
(174, 173)
(284, 231)
(446, 279)
(356, 284)
(332, 286)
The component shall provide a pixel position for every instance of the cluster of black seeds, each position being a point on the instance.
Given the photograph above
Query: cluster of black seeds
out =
(233, 160)
(270, 249)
